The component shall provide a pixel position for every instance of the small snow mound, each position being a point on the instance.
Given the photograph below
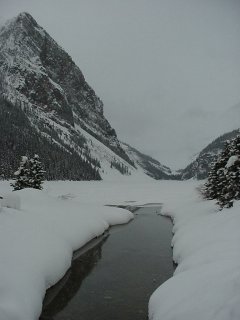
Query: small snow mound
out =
(67, 196)
(11, 201)
(24, 159)
(231, 161)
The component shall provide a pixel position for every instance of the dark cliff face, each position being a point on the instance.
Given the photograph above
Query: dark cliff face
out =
(38, 72)
(25, 76)
(40, 77)
(64, 117)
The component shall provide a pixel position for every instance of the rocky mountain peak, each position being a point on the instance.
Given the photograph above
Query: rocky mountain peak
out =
(41, 79)
(38, 72)
(41, 86)
(25, 18)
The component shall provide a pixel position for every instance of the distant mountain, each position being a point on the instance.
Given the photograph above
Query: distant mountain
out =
(150, 166)
(47, 107)
(200, 167)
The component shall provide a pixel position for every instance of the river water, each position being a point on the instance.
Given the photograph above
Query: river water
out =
(113, 277)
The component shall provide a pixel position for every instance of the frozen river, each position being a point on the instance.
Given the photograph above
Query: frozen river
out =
(114, 276)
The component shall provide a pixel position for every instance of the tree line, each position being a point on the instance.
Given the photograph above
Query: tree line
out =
(18, 137)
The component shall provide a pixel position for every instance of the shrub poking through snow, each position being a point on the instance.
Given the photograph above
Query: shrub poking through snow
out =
(30, 174)
(223, 182)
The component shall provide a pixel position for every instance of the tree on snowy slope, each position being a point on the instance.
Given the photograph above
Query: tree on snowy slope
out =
(29, 175)
(224, 178)
(36, 173)
(213, 186)
(21, 176)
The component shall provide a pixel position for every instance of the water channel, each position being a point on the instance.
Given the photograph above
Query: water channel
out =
(113, 277)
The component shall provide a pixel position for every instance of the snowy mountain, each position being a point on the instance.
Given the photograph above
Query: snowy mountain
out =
(63, 118)
(200, 167)
(150, 166)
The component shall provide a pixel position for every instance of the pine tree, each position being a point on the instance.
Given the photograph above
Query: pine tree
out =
(213, 187)
(223, 182)
(29, 175)
(36, 173)
(231, 183)
(21, 176)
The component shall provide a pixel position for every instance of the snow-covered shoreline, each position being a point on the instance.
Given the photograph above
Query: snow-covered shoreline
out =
(37, 242)
(206, 282)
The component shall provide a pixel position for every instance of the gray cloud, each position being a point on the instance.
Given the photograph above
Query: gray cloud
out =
(164, 69)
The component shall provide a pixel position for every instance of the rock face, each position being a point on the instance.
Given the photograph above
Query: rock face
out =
(39, 74)
(200, 167)
(41, 81)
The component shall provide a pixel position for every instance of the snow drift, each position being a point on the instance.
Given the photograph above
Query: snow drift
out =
(36, 246)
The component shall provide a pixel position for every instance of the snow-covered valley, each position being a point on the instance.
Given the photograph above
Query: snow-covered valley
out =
(37, 242)
(78, 175)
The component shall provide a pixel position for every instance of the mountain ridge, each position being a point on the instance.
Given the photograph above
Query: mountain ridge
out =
(200, 167)
(42, 81)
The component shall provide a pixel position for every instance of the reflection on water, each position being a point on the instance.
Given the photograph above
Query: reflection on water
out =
(114, 279)
(59, 295)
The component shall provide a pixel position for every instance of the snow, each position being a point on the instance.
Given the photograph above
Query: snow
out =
(231, 161)
(24, 159)
(37, 242)
(11, 200)
(206, 283)
(41, 31)
(106, 156)
(138, 160)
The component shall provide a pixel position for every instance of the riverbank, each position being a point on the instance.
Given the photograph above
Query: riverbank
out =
(206, 245)
(37, 241)
(206, 282)
(115, 278)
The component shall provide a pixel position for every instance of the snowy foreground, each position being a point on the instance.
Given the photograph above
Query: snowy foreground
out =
(37, 242)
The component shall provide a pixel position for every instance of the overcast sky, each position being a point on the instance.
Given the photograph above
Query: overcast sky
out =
(167, 70)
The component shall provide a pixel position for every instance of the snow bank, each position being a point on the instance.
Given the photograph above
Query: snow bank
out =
(231, 161)
(206, 283)
(36, 246)
(11, 200)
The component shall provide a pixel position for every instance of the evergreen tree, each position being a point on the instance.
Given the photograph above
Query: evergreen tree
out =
(223, 182)
(36, 173)
(21, 176)
(213, 186)
(29, 175)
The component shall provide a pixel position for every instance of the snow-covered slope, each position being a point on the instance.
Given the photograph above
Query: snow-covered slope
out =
(200, 167)
(39, 79)
(150, 166)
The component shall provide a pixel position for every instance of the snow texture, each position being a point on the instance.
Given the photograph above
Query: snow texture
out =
(11, 200)
(37, 242)
(231, 161)
(206, 283)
